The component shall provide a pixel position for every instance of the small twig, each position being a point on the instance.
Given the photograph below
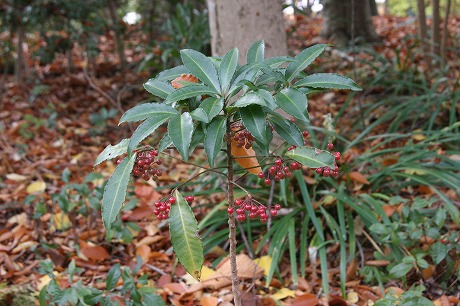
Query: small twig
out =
(245, 240)
(151, 267)
(269, 204)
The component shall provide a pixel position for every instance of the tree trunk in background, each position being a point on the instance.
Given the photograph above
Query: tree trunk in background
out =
(422, 30)
(435, 33)
(445, 29)
(386, 7)
(20, 64)
(339, 17)
(373, 8)
(238, 23)
(117, 24)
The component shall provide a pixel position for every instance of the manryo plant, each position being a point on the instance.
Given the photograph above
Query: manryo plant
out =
(232, 111)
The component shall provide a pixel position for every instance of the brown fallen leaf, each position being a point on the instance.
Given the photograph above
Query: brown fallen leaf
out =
(305, 300)
(251, 164)
(144, 252)
(95, 252)
(357, 177)
(209, 301)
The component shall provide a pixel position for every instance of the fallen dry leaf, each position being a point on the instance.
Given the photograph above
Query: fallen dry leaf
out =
(95, 252)
(283, 293)
(36, 187)
(357, 177)
(305, 300)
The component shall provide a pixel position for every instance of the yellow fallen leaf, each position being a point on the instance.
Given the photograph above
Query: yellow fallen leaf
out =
(45, 280)
(75, 158)
(283, 293)
(264, 262)
(417, 135)
(206, 273)
(352, 297)
(20, 219)
(24, 246)
(36, 187)
(61, 221)
(414, 171)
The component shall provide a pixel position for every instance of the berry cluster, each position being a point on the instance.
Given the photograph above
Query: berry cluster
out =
(279, 171)
(145, 165)
(242, 138)
(326, 171)
(163, 207)
(253, 209)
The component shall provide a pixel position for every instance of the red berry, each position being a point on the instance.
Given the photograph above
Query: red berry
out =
(305, 134)
(159, 162)
(330, 146)
(292, 119)
(189, 198)
(153, 153)
(291, 148)
(267, 181)
(157, 204)
(263, 220)
(230, 210)
(278, 162)
(240, 211)
(241, 217)
(326, 172)
(145, 176)
(334, 173)
(288, 174)
(156, 211)
(273, 212)
(337, 155)
(238, 202)
(319, 170)
(277, 206)
(119, 161)
(261, 175)
(172, 200)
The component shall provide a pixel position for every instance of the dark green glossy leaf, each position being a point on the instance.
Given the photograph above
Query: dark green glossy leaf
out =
(200, 115)
(400, 270)
(302, 60)
(145, 129)
(250, 99)
(180, 130)
(158, 88)
(115, 191)
(113, 276)
(312, 157)
(147, 110)
(268, 97)
(293, 102)
(189, 91)
(256, 52)
(212, 106)
(112, 151)
(288, 130)
(201, 67)
(171, 74)
(214, 138)
(227, 68)
(185, 240)
(165, 143)
(197, 138)
(438, 252)
(327, 80)
(253, 118)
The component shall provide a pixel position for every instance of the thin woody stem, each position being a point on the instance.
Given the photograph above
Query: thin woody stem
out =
(232, 224)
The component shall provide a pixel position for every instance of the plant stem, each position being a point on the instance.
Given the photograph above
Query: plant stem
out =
(232, 224)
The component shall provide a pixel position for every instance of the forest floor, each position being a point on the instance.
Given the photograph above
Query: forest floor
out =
(57, 122)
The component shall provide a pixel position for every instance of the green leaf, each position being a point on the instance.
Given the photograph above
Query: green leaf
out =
(145, 129)
(438, 252)
(115, 191)
(200, 115)
(197, 138)
(147, 110)
(212, 106)
(250, 99)
(302, 60)
(400, 270)
(158, 88)
(312, 157)
(185, 240)
(165, 142)
(180, 130)
(227, 68)
(256, 52)
(189, 91)
(294, 103)
(214, 138)
(113, 276)
(171, 74)
(112, 151)
(288, 130)
(201, 67)
(253, 118)
(327, 80)
(268, 97)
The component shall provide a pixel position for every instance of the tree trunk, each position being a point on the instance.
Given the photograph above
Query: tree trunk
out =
(238, 23)
(345, 20)
(435, 38)
(373, 8)
(117, 28)
(20, 65)
(445, 29)
(386, 7)
(422, 30)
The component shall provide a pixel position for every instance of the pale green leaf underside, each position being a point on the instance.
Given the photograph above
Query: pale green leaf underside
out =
(171, 74)
(302, 60)
(227, 68)
(115, 191)
(288, 130)
(189, 91)
(112, 151)
(158, 88)
(249, 99)
(200, 115)
(256, 52)
(185, 241)
(180, 130)
(212, 106)
(293, 102)
(312, 157)
(327, 80)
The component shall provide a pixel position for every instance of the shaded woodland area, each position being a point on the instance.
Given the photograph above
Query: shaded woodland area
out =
(383, 231)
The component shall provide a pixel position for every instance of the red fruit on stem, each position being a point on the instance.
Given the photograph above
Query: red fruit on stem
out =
(330, 146)
(172, 200)
(273, 212)
(230, 210)
(261, 175)
(267, 181)
(241, 217)
(277, 206)
(319, 170)
(238, 202)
